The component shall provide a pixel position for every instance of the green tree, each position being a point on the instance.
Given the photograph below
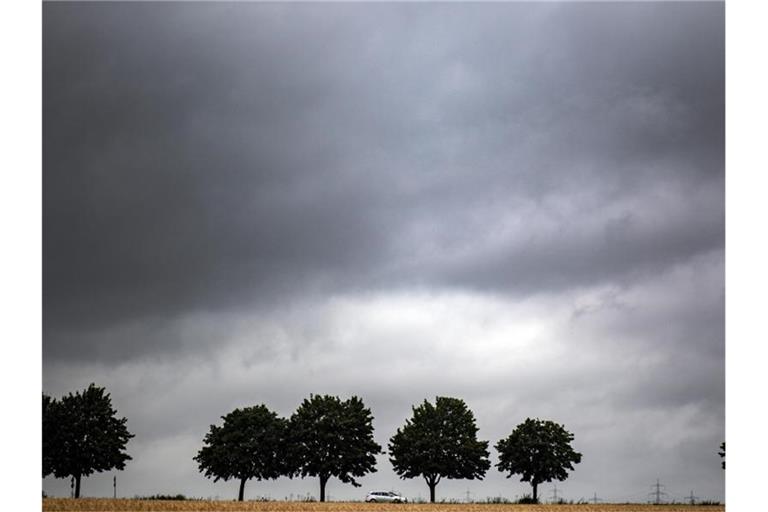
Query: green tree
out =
(83, 435)
(333, 438)
(722, 453)
(50, 408)
(439, 441)
(539, 450)
(251, 443)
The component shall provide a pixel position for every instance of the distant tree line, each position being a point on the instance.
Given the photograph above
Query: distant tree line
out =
(326, 437)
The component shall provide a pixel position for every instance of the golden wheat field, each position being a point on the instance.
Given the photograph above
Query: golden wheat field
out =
(110, 505)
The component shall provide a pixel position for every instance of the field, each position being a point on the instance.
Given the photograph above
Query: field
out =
(98, 505)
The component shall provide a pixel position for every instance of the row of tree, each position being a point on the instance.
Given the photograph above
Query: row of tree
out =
(325, 438)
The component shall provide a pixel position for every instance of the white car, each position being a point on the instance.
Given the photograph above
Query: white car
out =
(385, 497)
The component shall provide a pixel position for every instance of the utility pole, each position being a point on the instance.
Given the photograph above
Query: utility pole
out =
(692, 499)
(658, 493)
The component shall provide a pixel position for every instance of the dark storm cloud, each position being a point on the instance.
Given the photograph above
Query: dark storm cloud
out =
(203, 157)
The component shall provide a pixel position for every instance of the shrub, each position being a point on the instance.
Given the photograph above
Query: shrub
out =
(165, 497)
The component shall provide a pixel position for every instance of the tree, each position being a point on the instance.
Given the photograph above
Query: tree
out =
(439, 441)
(82, 435)
(333, 438)
(251, 443)
(722, 453)
(50, 422)
(539, 450)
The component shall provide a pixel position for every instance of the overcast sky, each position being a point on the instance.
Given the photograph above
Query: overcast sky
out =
(520, 205)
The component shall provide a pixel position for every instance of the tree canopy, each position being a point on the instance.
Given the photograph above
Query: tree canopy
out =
(251, 443)
(539, 451)
(439, 441)
(722, 453)
(50, 430)
(333, 438)
(83, 435)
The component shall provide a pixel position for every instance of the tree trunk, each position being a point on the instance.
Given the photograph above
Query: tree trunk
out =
(241, 494)
(535, 493)
(432, 482)
(77, 486)
(323, 481)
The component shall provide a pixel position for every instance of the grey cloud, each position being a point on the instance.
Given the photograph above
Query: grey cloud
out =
(202, 157)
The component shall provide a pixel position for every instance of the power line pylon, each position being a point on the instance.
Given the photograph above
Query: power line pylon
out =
(554, 494)
(595, 499)
(692, 499)
(658, 493)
